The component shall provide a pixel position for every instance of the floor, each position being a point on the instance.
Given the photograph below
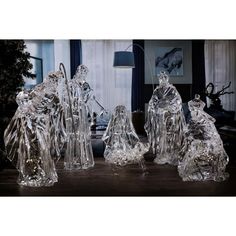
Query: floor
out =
(161, 180)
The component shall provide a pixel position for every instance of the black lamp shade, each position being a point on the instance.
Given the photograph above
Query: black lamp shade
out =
(123, 59)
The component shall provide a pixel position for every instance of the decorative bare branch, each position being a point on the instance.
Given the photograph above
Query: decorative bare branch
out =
(215, 97)
(222, 91)
(227, 93)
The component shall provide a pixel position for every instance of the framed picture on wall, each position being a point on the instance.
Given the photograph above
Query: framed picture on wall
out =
(170, 60)
(174, 56)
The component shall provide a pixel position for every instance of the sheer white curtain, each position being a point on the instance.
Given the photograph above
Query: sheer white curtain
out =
(220, 66)
(111, 86)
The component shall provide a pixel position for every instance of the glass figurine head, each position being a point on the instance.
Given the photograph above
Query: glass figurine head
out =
(81, 72)
(120, 110)
(53, 77)
(120, 113)
(22, 98)
(196, 103)
(163, 78)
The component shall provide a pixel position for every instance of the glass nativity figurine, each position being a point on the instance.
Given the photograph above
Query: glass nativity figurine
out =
(165, 123)
(122, 143)
(79, 101)
(205, 158)
(30, 136)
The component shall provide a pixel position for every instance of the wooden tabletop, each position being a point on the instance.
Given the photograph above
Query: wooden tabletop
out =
(103, 180)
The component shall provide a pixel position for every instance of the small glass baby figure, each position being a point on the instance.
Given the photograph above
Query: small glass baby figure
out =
(122, 143)
(166, 123)
(205, 158)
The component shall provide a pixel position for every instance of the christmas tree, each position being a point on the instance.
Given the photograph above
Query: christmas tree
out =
(14, 66)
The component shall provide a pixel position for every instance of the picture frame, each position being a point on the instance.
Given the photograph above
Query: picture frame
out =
(155, 48)
(170, 60)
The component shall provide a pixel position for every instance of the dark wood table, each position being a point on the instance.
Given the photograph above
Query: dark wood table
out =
(102, 180)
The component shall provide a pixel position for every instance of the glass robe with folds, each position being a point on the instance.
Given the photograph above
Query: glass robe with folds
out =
(165, 124)
(205, 158)
(122, 143)
(75, 100)
(29, 137)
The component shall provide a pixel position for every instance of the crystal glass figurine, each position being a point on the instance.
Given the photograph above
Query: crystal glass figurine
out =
(122, 143)
(205, 158)
(165, 123)
(52, 85)
(29, 137)
(79, 102)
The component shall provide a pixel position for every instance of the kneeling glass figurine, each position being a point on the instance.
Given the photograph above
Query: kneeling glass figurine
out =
(122, 143)
(205, 158)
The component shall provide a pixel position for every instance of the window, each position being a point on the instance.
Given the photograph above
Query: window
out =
(45, 57)
(112, 86)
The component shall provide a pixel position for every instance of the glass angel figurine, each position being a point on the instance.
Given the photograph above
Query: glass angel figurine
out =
(29, 137)
(122, 143)
(79, 102)
(165, 123)
(205, 158)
